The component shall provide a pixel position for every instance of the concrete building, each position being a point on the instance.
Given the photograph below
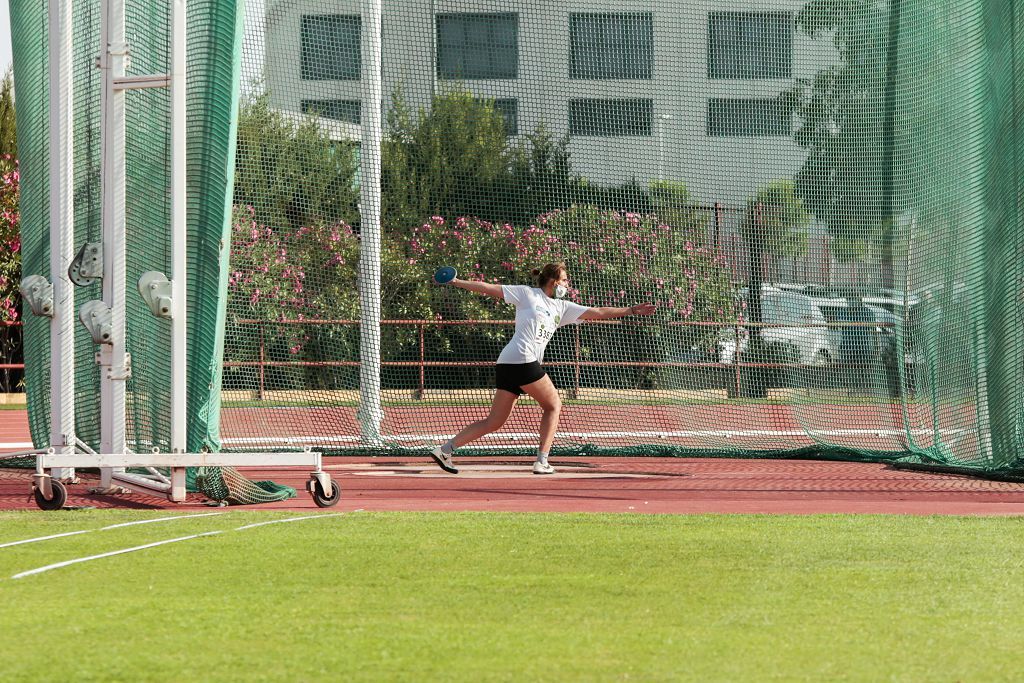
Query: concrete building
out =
(679, 90)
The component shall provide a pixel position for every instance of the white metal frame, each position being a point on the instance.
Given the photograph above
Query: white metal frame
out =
(66, 450)
(370, 413)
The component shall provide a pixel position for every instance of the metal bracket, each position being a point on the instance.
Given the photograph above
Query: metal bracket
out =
(155, 289)
(38, 292)
(87, 266)
(95, 315)
(123, 371)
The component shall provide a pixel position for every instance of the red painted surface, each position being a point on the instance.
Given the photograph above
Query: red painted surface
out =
(630, 485)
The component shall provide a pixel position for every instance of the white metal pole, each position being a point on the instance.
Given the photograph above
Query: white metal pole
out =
(114, 363)
(179, 240)
(370, 412)
(62, 236)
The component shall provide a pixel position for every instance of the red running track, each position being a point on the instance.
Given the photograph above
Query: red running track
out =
(627, 485)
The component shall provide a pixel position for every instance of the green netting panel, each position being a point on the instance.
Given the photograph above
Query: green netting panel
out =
(820, 197)
(812, 193)
(214, 44)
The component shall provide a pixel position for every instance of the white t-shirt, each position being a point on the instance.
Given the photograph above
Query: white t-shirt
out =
(537, 318)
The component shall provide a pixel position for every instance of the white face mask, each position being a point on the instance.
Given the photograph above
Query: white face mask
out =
(560, 292)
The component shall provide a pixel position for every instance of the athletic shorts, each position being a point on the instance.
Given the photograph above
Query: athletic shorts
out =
(513, 376)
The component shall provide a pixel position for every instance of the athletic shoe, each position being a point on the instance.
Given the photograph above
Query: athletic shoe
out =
(540, 467)
(444, 460)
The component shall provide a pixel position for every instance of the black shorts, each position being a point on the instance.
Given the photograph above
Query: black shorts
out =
(513, 376)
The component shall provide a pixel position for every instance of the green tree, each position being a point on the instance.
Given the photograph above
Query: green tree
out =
(290, 170)
(776, 217)
(842, 114)
(8, 130)
(452, 160)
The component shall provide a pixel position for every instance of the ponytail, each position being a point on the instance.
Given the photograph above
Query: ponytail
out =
(551, 271)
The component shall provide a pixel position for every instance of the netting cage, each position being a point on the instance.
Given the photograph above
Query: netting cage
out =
(820, 197)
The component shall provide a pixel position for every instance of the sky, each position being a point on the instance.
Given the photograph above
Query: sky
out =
(5, 36)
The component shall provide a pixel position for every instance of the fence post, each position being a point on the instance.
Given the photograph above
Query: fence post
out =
(717, 224)
(262, 391)
(422, 391)
(736, 361)
(576, 365)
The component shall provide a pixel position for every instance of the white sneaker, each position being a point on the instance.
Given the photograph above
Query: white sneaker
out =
(542, 467)
(444, 460)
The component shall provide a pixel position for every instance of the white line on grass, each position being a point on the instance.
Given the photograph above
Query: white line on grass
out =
(292, 519)
(112, 526)
(58, 565)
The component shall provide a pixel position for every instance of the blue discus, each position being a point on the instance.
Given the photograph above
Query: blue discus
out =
(444, 275)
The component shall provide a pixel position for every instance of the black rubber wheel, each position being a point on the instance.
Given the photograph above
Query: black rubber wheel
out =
(60, 496)
(325, 501)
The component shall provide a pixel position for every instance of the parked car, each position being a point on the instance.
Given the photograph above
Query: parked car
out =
(796, 330)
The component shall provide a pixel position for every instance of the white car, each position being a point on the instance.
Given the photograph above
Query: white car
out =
(795, 323)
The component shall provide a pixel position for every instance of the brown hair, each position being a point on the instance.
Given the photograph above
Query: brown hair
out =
(551, 271)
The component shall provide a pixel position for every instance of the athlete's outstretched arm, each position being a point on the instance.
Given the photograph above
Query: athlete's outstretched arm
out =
(610, 313)
(486, 288)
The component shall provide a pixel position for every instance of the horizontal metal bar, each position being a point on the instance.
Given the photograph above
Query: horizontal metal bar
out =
(297, 459)
(141, 82)
(729, 325)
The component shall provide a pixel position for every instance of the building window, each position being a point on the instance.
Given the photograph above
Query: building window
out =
(610, 117)
(611, 45)
(509, 111)
(741, 117)
(331, 47)
(750, 45)
(474, 46)
(339, 110)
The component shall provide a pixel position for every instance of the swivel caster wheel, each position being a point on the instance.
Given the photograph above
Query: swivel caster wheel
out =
(60, 496)
(322, 499)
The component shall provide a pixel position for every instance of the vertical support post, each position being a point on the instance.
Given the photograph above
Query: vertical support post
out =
(263, 358)
(717, 223)
(62, 236)
(114, 366)
(576, 374)
(179, 234)
(179, 242)
(370, 412)
(422, 393)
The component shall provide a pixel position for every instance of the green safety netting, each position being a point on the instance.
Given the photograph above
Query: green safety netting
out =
(821, 198)
(214, 49)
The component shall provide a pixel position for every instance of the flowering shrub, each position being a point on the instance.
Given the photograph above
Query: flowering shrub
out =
(292, 275)
(10, 266)
(614, 259)
(10, 240)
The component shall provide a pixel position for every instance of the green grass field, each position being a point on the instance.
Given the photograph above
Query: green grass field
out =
(479, 596)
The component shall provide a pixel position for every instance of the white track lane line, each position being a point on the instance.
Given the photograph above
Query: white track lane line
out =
(112, 526)
(58, 565)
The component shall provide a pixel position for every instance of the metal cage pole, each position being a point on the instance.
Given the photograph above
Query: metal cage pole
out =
(179, 238)
(370, 412)
(115, 363)
(62, 236)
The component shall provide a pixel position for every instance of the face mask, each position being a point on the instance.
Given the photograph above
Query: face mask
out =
(560, 292)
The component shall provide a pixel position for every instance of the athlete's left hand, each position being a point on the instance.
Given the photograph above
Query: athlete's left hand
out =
(642, 309)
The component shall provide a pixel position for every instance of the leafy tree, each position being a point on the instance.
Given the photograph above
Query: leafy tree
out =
(451, 160)
(776, 217)
(8, 131)
(842, 122)
(290, 170)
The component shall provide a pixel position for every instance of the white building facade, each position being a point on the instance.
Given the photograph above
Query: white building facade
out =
(685, 91)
